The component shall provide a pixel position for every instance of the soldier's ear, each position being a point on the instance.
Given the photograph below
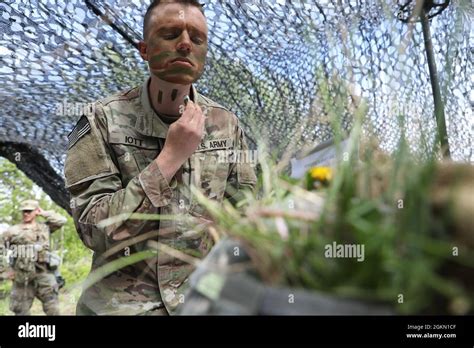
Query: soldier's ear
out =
(143, 48)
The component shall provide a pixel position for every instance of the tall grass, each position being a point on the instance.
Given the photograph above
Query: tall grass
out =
(398, 206)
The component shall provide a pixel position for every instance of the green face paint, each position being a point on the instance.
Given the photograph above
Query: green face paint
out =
(160, 67)
(177, 31)
(157, 60)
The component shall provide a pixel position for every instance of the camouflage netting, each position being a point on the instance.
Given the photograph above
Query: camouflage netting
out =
(268, 61)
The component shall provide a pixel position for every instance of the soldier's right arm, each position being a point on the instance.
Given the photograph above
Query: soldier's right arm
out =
(97, 192)
(5, 237)
(54, 220)
(2, 244)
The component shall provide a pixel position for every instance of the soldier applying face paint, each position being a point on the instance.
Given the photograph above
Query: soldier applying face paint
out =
(141, 152)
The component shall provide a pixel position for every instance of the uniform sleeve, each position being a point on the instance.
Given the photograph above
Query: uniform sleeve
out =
(2, 243)
(5, 237)
(96, 188)
(54, 220)
(242, 173)
(4, 265)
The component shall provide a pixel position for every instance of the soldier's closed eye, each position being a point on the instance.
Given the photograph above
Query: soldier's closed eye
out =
(197, 36)
(171, 36)
(197, 40)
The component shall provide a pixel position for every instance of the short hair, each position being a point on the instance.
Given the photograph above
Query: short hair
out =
(155, 3)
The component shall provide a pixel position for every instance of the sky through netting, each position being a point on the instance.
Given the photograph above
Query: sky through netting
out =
(269, 62)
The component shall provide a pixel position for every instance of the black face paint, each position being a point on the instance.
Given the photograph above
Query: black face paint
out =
(174, 94)
(160, 97)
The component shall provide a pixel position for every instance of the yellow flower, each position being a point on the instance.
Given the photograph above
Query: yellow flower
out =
(322, 174)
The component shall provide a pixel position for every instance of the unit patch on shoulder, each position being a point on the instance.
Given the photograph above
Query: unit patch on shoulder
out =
(82, 127)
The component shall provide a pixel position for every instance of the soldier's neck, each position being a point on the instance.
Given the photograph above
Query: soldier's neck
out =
(30, 223)
(166, 97)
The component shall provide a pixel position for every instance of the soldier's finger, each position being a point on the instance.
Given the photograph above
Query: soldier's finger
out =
(199, 110)
(198, 114)
(188, 112)
(202, 123)
(186, 100)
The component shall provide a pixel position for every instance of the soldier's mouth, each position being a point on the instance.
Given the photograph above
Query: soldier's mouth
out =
(182, 61)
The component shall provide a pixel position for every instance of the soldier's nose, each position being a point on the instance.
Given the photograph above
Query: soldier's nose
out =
(184, 46)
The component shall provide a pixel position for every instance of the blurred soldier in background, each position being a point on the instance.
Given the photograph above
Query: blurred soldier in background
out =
(4, 271)
(32, 263)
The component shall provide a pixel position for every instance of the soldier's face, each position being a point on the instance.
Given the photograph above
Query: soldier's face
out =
(29, 215)
(176, 43)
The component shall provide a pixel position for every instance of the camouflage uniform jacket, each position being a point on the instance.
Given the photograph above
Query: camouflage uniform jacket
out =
(110, 172)
(33, 236)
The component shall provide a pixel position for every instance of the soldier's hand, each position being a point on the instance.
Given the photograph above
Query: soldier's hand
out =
(10, 275)
(184, 137)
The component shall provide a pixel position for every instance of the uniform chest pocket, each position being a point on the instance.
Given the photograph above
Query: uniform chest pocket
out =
(211, 169)
(132, 160)
(143, 157)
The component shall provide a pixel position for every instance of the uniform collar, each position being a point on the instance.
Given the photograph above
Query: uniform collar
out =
(151, 124)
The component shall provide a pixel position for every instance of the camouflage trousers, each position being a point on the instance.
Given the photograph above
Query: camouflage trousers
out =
(43, 286)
